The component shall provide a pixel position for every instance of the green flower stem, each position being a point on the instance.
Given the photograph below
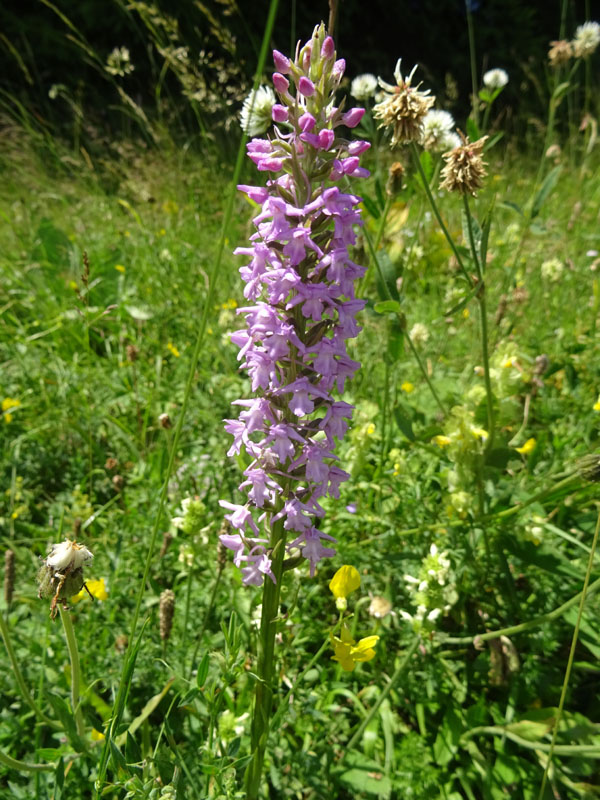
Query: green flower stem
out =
(207, 613)
(417, 358)
(263, 693)
(481, 300)
(283, 706)
(23, 766)
(589, 750)
(563, 694)
(392, 681)
(20, 680)
(473, 62)
(362, 287)
(206, 309)
(67, 622)
(531, 623)
(402, 321)
(438, 216)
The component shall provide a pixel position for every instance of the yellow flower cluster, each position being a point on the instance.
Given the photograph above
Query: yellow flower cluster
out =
(348, 652)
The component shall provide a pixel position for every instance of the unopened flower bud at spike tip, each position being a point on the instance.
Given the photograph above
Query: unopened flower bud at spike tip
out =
(282, 63)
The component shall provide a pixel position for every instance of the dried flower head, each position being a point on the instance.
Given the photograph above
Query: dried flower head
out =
(395, 177)
(403, 108)
(586, 39)
(379, 607)
(363, 86)
(560, 52)
(465, 167)
(255, 116)
(166, 609)
(61, 575)
(495, 79)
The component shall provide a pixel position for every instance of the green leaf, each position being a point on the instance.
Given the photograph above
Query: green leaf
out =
(390, 274)
(529, 729)
(396, 328)
(362, 774)
(141, 314)
(448, 737)
(371, 206)
(404, 416)
(388, 307)
(133, 753)
(545, 190)
(427, 164)
(65, 715)
(118, 757)
(59, 780)
(473, 131)
(499, 457)
(512, 206)
(202, 672)
(462, 303)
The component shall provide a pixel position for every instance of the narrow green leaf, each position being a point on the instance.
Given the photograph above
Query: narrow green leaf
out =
(388, 307)
(473, 131)
(427, 164)
(404, 415)
(202, 672)
(545, 190)
(371, 206)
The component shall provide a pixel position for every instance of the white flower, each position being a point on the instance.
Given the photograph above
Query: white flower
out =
(255, 116)
(436, 127)
(419, 334)
(552, 270)
(363, 86)
(495, 79)
(68, 554)
(587, 39)
(119, 62)
(450, 141)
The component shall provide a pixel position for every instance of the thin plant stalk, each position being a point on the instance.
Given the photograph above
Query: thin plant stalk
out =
(65, 618)
(529, 624)
(481, 300)
(473, 62)
(403, 324)
(18, 675)
(207, 307)
(263, 693)
(438, 216)
(563, 694)
(207, 613)
(23, 766)
(392, 681)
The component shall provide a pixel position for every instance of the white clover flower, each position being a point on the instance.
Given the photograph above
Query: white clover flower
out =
(437, 125)
(495, 79)
(363, 86)
(552, 270)
(68, 554)
(119, 62)
(586, 39)
(450, 141)
(255, 116)
(419, 334)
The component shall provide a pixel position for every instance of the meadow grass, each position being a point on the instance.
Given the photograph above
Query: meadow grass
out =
(105, 273)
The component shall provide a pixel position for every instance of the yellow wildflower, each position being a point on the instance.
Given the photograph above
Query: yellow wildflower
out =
(119, 267)
(349, 653)
(441, 441)
(345, 581)
(10, 402)
(527, 448)
(170, 207)
(172, 349)
(479, 433)
(466, 313)
(407, 387)
(96, 588)
(370, 430)
(97, 736)
(597, 404)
